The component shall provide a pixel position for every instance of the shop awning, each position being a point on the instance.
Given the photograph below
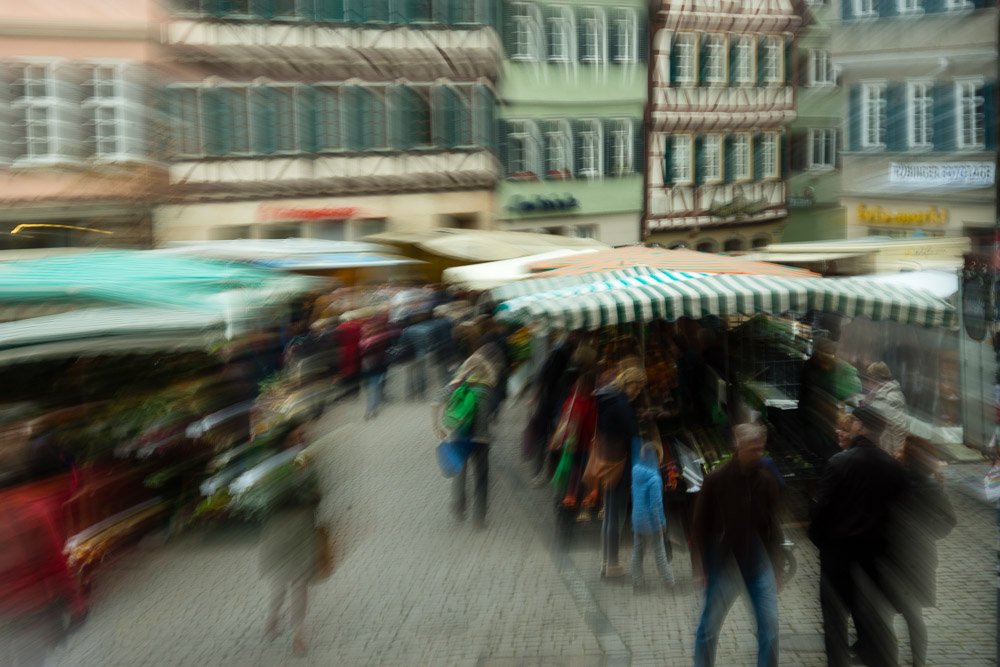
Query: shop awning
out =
(491, 274)
(723, 295)
(666, 260)
(347, 260)
(538, 285)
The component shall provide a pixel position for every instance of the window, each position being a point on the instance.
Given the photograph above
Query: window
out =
(283, 119)
(561, 30)
(684, 58)
(970, 114)
(706, 246)
(593, 36)
(234, 120)
(623, 30)
(621, 147)
(527, 42)
(715, 58)
(744, 60)
(741, 156)
(864, 9)
(760, 242)
(463, 12)
(680, 158)
(873, 115)
(33, 97)
(102, 99)
(768, 155)
(591, 149)
(559, 150)
(523, 154)
(773, 60)
(822, 148)
(732, 245)
(909, 6)
(820, 68)
(920, 110)
(419, 119)
(712, 159)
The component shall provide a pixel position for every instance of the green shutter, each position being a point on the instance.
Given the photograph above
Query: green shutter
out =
(502, 129)
(638, 146)
(854, 117)
(896, 120)
(668, 171)
(699, 159)
(263, 133)
(440, 117)
(329, 10)
(400, 119)
(729, 159)
(307, 119)
(484, 111)
(642, 35)
(353, 104)
(211, 102)
(758, 156)
(354, 11)
(990, 114)
(783, 156)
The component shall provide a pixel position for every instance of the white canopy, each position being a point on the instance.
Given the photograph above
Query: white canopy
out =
(491, 274)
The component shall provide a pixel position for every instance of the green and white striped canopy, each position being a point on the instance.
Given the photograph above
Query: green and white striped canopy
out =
(722, 295)
(543, 285)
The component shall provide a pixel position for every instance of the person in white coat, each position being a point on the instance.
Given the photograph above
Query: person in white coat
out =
(886, 396)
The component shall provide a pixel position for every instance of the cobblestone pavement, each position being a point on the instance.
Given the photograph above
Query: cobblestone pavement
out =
(416, 587)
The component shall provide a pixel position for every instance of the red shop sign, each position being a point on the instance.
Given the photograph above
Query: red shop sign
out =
(293, 213)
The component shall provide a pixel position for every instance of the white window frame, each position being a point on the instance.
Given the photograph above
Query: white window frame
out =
(624, 25)
(592, 148)
(690, 42)
(195, 123)
(745, 60)
(771, 164)
(873, 114)
(864, 9)
(920, 114)
(716, 55)
(525, 131)
(821, 72)
(595, 25)
(774, 60)
(529, 44)
(909, 7)
(742, 156)
(622, 144)
(713, 154)
(563, 20)
(36, 108)
(966, 106)
(681, 161)
(559, 139)
(822, 149)
(958, 5)
(123, 102)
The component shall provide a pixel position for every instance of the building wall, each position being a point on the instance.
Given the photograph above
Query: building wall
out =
(571, 118)
(919, 91)
(722, 93)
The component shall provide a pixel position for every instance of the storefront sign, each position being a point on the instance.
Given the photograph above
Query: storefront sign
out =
(965, 174)
(540, 204)
(806, 199)
(266, 212)
(876, 215)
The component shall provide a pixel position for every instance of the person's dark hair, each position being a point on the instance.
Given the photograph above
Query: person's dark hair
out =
(871, 419)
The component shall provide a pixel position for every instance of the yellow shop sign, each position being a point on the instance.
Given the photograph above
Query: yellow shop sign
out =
(876, 215)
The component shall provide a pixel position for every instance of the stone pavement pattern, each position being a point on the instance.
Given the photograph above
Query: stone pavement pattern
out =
(415, 587)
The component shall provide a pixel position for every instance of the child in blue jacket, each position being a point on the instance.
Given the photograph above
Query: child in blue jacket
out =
(648, 520)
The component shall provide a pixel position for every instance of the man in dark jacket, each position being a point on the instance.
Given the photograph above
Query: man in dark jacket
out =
(736, 535)
(849, 526)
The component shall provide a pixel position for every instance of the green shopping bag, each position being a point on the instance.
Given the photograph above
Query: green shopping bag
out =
(560, 479)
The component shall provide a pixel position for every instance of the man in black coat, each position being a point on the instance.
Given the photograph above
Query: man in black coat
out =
(849, 526)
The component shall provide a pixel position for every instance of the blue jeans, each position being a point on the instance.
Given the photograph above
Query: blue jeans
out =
(721, 591)
(376, 391)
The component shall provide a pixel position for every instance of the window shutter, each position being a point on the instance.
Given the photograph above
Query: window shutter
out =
(886, 8)
(896, 121)
(307, 118)
(12, 137)
(854, 117)
(578, 147)
(699, 159)
(789, 59)
(262, 125)
(546, 146)
(668, 171)
(702, 51)
(933, 6)
(800, 149)
(580, 34)
(758, 156)
(442, 11)
(638, 146)
(990, 114)
(945, 121)
(642, 36)
(507, 26)
(439, 116)
(846, 10)
(354, 11)
(761, 58)
(210, 103)
(400, 115)
(982, 4)
(728, 157)
(262, 8)
(329, 10)
(783, 156)
(503, 128)
(483, 112)
(352, 98)
(550, 14)
(609, 148)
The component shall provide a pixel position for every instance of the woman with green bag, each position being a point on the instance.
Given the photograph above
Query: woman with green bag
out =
(575, 431)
